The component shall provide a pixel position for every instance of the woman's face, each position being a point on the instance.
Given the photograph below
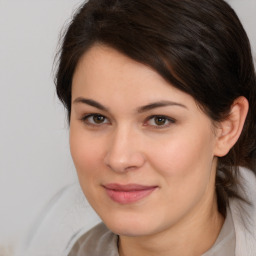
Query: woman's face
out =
(143, 150)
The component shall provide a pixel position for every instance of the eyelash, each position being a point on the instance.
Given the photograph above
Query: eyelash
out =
(85, 119)
(166, 119)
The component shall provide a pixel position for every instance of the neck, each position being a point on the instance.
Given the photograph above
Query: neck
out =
(192, 236)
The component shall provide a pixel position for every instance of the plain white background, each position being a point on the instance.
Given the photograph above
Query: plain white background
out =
(34, 154)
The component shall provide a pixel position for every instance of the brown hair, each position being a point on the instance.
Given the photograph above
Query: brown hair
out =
(199, 46)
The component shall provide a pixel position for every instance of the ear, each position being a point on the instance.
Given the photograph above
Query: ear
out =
(229, 130)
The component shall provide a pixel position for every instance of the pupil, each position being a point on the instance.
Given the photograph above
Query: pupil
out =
(98, 119)
(160, 120)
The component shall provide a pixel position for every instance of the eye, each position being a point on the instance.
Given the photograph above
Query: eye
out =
(159, 121)
(95, 119)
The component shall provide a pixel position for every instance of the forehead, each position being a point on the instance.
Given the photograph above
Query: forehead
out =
(103, 71)
(102, 61)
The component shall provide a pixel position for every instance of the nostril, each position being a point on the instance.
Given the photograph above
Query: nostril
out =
(130, 168)
(122, 163)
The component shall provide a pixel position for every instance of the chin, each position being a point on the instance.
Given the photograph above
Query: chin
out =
(130, 225)
(128, 230)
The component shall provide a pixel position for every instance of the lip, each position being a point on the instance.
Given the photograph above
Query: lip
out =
(128, 193)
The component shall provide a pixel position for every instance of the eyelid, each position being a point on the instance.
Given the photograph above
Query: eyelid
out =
(85, 118)
(169, 119)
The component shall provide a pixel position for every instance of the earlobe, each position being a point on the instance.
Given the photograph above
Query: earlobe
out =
(229, 130)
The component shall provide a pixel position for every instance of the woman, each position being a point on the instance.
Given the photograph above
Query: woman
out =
(161, 100)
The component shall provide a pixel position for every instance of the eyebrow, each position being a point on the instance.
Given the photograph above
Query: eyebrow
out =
(142, 109)
(90, 102)
(158, 104)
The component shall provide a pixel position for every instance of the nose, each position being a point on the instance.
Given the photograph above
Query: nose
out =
(124, 152)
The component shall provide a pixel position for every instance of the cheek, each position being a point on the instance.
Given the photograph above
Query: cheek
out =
(86, 153)
(185, 167)
(184, 157)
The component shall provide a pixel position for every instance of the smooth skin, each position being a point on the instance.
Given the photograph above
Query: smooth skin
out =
(129, 126)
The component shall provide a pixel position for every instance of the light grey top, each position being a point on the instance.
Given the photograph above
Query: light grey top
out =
(100, 241)
(225, 244)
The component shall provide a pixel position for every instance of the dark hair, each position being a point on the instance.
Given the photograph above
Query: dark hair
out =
(199, 46)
